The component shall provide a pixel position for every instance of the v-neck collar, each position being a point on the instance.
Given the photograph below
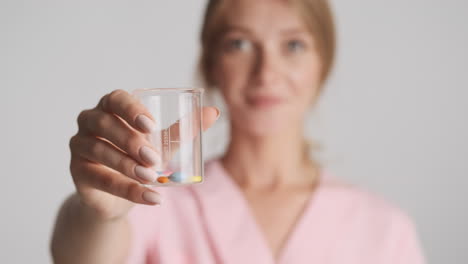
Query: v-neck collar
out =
(233, 230)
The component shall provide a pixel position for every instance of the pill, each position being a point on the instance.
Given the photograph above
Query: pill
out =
(196, 178)
(177, 176)
(163, 179)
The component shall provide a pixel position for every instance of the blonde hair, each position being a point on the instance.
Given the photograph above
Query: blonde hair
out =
(317, 16)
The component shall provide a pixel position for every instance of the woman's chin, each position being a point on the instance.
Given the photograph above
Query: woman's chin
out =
(262, 127)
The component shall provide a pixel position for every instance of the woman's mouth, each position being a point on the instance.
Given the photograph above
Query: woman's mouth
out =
(264, 101)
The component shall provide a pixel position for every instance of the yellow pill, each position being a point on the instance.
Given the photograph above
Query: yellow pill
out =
(163, 179)
(196, 178)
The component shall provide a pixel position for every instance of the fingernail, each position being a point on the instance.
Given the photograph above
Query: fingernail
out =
(145, 173)
(151, 197)
(149, 155)
(218, 113)
(145, 123)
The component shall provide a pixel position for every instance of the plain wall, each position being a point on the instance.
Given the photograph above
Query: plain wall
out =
(393, 118)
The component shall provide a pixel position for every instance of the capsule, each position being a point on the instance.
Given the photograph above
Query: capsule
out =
(163, 179)
(177, 177)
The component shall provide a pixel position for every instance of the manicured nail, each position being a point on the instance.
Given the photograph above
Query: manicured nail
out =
(145, 173)
(151, 197)
(218, 113)
(145, 123)
(149, 155)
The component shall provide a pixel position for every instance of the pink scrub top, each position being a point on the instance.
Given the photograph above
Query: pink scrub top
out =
(211, 223)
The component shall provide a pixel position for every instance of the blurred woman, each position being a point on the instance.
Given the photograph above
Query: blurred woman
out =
(264, 200)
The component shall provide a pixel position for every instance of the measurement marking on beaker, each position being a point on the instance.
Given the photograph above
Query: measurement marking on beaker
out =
(166, 144)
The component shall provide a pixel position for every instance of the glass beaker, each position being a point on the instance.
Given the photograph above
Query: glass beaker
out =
(178, 133)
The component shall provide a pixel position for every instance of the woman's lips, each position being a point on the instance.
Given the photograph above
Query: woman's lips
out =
(264, 101)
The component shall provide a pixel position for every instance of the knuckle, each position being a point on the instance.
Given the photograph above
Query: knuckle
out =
(83, 117)
(76, 168)
(102, 101)
(118, 92)
(73, 143)
(102, 121)
(102, 104)
(114, 96)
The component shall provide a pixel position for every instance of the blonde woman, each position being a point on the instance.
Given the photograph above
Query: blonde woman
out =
(264, 200)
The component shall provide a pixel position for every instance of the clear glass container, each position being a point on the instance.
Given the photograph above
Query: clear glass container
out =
(178, 133)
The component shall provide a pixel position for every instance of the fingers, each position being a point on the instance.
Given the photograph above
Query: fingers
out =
(107, 126)
(112, 182)
(127, 107)
(100, 151)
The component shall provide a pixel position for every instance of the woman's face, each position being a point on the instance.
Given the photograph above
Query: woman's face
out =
(266, 66)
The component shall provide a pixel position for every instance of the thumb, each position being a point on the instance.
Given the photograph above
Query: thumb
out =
(209, 116)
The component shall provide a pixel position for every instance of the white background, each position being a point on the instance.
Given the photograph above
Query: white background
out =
(393, 118)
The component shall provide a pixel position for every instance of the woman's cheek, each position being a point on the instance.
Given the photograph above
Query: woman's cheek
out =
(307, 81)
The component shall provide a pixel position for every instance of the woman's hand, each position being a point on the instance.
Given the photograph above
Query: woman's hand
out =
(110, 155)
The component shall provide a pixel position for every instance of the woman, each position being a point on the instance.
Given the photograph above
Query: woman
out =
(264, 200)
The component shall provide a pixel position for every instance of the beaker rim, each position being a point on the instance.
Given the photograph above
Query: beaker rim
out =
(174, 89)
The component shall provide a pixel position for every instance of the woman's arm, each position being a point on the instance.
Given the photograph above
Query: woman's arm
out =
(81, 236)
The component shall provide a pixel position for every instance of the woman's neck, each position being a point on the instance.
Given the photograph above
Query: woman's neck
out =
(269, 162)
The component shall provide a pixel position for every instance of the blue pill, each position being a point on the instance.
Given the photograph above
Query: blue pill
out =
(177, 177)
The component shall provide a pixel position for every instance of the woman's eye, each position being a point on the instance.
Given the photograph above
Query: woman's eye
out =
(295, 46)
(238, 45)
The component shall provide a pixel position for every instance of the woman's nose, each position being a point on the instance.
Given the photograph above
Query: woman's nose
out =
(267, 69)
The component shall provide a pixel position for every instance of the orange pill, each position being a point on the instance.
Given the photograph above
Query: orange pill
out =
(163, 179)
